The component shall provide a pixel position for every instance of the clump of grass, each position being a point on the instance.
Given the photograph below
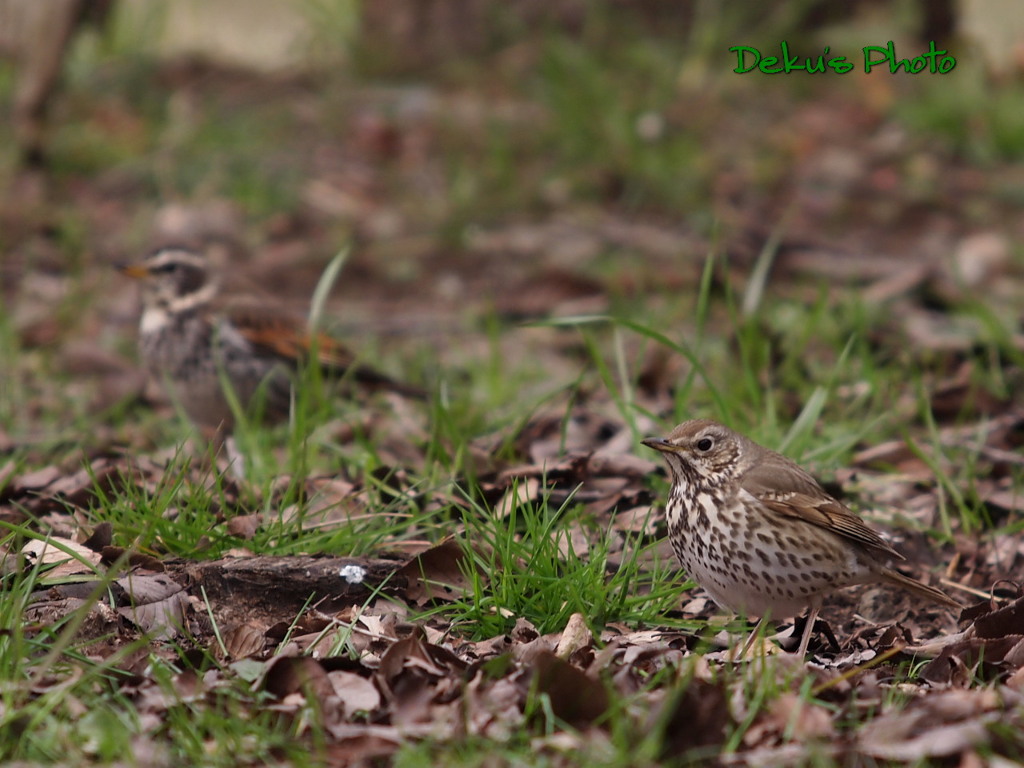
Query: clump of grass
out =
(522, 564)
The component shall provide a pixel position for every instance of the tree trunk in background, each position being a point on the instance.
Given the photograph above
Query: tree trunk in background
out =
(37, 33)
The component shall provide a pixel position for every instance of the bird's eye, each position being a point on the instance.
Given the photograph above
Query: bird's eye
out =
(704, 444)
(165, 269)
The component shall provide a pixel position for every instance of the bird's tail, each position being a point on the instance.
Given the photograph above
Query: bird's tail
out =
(373, 379)
(919, 589)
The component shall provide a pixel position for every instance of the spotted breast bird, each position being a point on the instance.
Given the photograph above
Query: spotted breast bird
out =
(198, 340)
(759, 533)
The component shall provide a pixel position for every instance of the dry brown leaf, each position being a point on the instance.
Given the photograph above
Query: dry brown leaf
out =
(244, 526)
(287, 675)
(101, 537)
(362, 744)
(137, 561)
(356, 693)
(942, 724)
(791, 714)
(421, 683)
(414, 653)
(692, 716)
(1015, 681)
(142, 588)
(494, 706)
(244, 641)
(61, 558)
(642, 519)
(524, 491)
(575, 697)
(438, 573)
(1007, 620)
(1008, 498)
(157, 604)
(37, 480)
(604, 464)
(161, 619)
(575, 636)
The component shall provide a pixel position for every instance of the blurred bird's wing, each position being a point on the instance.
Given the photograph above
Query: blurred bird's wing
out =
(283, 335)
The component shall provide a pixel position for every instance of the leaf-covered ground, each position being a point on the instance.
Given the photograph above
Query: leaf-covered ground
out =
(575, 246)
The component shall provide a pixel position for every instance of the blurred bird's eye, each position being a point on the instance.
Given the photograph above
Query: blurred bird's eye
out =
(704, 444)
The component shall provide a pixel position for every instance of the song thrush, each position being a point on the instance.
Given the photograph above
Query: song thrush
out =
(196, 339)
(760, 535)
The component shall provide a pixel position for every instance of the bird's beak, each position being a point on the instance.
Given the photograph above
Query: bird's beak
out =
(132, 270)
(659, 444)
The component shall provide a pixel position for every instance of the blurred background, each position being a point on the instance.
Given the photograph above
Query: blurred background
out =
(575, 225)
(491, 163)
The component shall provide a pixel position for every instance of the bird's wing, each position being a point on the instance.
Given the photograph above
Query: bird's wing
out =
(788, 490)
(285, 336)
(282, 334)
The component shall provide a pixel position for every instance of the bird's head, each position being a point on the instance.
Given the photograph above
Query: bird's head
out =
(173, 278)
(700, 449)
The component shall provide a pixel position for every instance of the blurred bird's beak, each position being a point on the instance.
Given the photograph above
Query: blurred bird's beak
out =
(132, 270)
(659, 444)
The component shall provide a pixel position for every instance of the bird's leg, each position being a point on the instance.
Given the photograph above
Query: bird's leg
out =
(753, 637)
(812, 618)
